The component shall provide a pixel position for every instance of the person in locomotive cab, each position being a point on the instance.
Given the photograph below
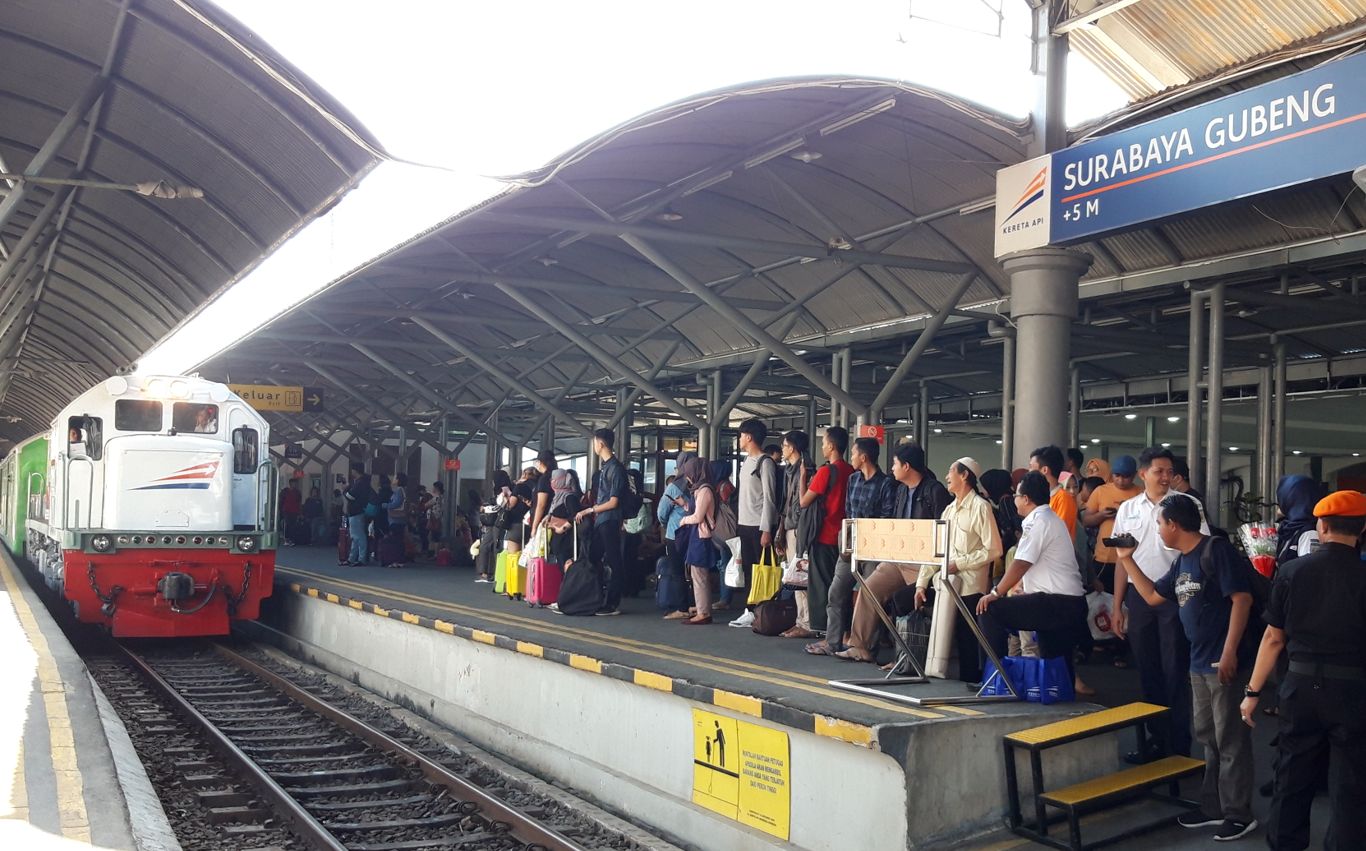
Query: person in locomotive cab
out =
(206, 420)
(75, 443)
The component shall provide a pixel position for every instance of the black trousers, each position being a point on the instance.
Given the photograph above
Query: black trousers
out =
(1322, 731)
(1164, 660)
(1059, 619)
(607, 553)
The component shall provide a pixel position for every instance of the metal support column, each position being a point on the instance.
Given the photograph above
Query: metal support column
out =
(1195, 362)
(1074, 408)
(1043, 304)
(1213, 437)
(717, 418)
(624, 430)
(811, 427)
(922, 417)
(846, 360)
(1266, 485)
(1008, 402)
(1280, 393)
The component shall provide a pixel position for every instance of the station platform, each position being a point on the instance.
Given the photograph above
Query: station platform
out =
(616, 698)
(70, 775)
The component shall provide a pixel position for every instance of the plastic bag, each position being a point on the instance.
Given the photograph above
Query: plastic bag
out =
(1037, 680)
(734, 574)
(1098, 616)
(797, 571)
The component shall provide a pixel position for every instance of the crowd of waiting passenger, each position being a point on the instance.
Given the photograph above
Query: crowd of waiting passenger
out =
(1053, 560)
(1057, 561)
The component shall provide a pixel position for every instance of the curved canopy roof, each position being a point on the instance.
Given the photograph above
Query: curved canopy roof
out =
(759, 230)
(140, 92)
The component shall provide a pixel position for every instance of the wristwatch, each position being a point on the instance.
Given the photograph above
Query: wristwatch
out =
(1248, 692)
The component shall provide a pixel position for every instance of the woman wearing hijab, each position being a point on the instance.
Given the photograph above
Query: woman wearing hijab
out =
(1296, 533)
(700, 556)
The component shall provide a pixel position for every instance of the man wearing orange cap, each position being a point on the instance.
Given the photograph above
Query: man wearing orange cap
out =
(1317, 614)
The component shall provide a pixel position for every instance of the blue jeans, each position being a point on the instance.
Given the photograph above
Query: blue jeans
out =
(355, 524)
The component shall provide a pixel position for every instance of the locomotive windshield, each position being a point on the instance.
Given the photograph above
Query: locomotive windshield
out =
(137, 415)
(194, 418)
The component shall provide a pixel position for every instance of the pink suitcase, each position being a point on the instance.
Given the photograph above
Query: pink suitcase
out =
(544, 577)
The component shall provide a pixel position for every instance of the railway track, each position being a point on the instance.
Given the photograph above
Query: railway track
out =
(338, 782)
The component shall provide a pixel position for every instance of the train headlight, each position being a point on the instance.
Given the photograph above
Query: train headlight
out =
(101, 543)
(246, 544)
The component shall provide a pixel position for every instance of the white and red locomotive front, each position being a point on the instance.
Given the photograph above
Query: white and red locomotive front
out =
(154, 524)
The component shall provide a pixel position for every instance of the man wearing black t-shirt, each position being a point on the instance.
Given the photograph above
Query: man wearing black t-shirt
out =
(1317, 616)
(1213, 593)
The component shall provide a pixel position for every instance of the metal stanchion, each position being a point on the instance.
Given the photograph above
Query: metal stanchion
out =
(922, 543)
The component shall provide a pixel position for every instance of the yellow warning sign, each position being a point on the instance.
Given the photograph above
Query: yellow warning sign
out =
(741, 770)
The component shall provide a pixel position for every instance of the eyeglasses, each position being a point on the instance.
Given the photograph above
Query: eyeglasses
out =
(1017, 495)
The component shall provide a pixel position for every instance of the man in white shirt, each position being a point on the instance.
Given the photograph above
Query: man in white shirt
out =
(1053, 601)
(1155, 635)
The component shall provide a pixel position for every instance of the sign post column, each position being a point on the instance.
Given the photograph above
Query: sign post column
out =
(1043, 304)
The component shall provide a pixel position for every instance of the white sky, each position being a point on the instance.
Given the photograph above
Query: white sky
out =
(496, 88)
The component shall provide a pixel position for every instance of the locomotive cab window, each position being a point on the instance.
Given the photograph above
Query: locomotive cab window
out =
(244, 450)
(84, 437)
(137, 415)
(194, 418)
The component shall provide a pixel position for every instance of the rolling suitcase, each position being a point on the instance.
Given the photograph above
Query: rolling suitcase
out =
(343, 544)
(500, 571)
(670, 590)
(543, 583)
(443, 557)
(515, 578)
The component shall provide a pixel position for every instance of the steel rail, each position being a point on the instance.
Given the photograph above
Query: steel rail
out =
(524, 828)
(308, 828)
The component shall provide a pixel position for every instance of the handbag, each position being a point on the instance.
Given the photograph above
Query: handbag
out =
(734, 575)
(768, 578)
(774, 617)
(1042, 681)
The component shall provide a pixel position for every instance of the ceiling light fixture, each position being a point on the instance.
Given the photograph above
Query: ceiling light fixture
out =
(939, 431)
(807, 157)
(1095, 440)
(668, 216)
(1131, 416)
(1166, 446)
(1173, 419)
(773, 153)
(862, 115)
(1233, 449)
(1296, 452)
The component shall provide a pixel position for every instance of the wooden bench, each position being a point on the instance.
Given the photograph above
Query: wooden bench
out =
(1082, 797)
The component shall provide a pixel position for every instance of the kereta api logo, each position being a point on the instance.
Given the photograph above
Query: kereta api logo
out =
(1033, 192)
(1023, 205)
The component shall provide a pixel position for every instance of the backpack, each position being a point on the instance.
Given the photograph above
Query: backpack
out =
(1258, 584)
(777, 479)
(630, 499)
(811, 518)
(725, 527)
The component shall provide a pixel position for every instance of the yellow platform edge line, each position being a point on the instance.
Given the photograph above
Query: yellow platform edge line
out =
(530, 648)
(738, 702)
(443, 626)
(408, 617)
(483, 637)
(650, 679)
(845, 731)
(585, 663)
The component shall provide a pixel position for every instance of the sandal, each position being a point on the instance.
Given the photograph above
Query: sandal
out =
(849, 655)
(798, 632)
(819, 648)
(677, 616)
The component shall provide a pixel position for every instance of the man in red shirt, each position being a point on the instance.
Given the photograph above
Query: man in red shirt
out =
(828, 485)
(291, 504)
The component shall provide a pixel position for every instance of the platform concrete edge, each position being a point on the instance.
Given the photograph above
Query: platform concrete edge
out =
(827, 726)
(151, 828)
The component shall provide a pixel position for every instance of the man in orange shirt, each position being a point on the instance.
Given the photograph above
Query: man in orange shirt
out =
(1049, 461)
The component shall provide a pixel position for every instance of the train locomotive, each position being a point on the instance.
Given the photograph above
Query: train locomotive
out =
(148, 506)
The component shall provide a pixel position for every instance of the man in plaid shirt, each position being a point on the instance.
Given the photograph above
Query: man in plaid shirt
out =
(870, 493)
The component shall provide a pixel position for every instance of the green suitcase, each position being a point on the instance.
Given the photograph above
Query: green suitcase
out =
(500, 571)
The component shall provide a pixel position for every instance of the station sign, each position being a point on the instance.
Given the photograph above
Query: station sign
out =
(452, 465)
(293, 452)
(1303, 127)
(877, 432)
(273, 397)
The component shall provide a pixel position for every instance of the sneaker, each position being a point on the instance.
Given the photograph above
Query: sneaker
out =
(745, 620)
(1232, 830)
(554, 608)
(482, 580)
(1198, 818)
(607, 613)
